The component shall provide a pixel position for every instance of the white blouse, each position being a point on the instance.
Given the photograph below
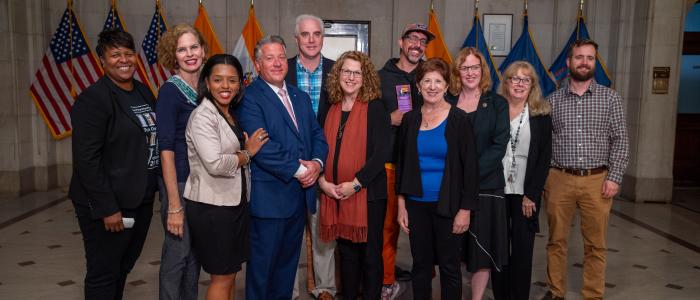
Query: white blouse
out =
(516, 186)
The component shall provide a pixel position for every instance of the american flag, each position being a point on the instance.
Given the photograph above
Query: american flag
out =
(114, 21)
(67, 68)
(156, 73)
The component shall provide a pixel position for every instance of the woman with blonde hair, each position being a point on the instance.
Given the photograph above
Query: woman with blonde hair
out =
(353, 203)
(525, 169)
(182, 50)
(486, 242)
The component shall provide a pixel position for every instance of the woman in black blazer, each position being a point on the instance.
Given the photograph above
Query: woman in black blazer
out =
(526, 166)
(353, 203)
(486, 244)
(115, 166)
(437, 182)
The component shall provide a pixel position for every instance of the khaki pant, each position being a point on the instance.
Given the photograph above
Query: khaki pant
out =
(562, 194)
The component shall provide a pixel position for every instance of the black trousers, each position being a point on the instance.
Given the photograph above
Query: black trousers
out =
(513, 282)
(361, 263)
(111, 255)
(432, 240)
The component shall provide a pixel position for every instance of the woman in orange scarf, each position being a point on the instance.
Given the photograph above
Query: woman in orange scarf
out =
(353, 203)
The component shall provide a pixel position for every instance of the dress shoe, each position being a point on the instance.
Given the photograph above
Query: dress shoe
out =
(550, 296)
(401, 274)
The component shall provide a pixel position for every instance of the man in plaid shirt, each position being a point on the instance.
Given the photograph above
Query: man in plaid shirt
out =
(589, 157)
(308, 71)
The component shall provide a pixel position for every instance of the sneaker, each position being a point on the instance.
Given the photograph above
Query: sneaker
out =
(390, 291)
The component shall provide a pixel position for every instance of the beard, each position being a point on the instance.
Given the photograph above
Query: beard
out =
(411, 59)
(581, 76)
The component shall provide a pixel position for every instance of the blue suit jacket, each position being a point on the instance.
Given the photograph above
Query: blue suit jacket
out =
(275, 193)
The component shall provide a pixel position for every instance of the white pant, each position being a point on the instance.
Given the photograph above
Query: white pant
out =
(323, 261)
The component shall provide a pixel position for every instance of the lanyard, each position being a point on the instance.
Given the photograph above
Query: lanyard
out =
(514, 142)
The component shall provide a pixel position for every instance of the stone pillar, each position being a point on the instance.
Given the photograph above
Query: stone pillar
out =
(30, 159)
(649, 35)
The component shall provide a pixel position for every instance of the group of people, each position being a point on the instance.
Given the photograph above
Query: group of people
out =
(349, 154)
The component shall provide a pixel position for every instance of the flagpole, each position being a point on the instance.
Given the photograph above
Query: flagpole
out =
(476, 15)
(578, 19)
(114, 12)
(525, 13)
(432, 7)
(158, 22)
(70, 44)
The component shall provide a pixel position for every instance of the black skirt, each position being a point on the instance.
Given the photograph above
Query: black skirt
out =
(220, 236)
(487, 238)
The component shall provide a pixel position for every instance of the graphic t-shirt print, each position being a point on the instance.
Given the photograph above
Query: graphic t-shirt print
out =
(147, 120)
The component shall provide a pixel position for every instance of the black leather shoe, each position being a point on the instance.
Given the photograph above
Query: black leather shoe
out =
(401, 274)
(550, 296)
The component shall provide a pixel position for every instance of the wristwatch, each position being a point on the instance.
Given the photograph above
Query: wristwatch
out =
(356, 187)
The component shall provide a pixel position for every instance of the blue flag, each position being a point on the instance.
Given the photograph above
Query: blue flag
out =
(475, 39)
(524, 49)
(559, 69)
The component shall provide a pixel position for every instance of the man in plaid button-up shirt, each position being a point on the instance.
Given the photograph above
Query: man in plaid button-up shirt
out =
(589, 157)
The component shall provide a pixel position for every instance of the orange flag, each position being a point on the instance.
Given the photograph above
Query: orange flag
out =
(246, 44)
(204, 26)
(437, 47)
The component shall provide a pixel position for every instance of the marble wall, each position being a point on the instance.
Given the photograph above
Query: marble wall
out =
(633, 35)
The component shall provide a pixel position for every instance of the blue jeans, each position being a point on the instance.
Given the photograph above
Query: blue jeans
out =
(179, 269)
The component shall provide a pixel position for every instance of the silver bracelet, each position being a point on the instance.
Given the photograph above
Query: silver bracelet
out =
(247, 155)
(177, 211)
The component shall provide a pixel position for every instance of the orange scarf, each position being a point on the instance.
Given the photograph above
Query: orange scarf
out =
(346, 219)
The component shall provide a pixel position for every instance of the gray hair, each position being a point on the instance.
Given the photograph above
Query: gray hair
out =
(270, 39)
(303, 17)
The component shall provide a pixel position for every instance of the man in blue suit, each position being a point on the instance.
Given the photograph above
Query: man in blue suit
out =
(284, 172)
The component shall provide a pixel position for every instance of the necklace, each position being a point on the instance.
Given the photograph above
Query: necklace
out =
(427, 121)
(514, 145)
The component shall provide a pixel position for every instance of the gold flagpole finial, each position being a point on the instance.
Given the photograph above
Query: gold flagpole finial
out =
(252, 3)
(157, 3)
(113, 2)
(476, 4)
(580, 5)
(70, 4)
(525, 6)
(432, 7)
(200, 2)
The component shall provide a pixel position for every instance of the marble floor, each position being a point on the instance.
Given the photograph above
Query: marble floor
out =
(654, 253)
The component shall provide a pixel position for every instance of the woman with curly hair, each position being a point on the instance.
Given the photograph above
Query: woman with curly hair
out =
(181, 49)
(353, 203)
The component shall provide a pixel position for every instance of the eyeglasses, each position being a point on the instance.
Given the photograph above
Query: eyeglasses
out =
(415, 39)
(521, 80)
(350, 73)
(472, 68)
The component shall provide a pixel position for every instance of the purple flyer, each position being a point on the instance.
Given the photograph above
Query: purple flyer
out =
(403, 97)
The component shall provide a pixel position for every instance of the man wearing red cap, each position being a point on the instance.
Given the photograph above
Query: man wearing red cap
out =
(399, 95)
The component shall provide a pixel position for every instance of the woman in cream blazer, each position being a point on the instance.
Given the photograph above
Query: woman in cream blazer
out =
(218, 187)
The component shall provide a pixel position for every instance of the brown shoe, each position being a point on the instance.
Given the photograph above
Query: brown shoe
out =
(325, 296)
(550, 296)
